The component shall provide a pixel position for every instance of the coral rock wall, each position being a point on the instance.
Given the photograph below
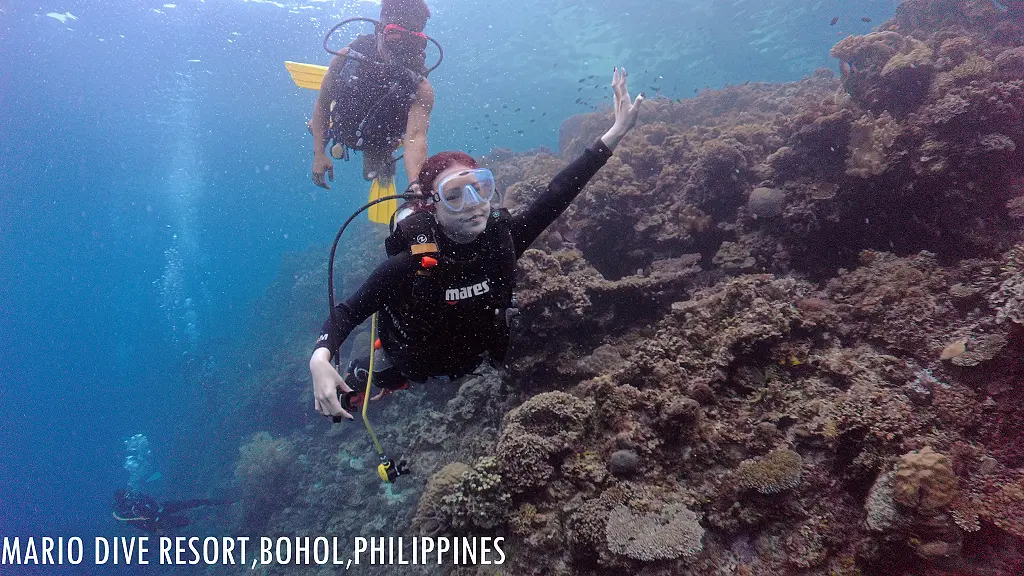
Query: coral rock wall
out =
(780, 332)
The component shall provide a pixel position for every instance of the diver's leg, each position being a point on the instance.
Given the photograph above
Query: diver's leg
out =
(377, 164)
(180, 505)
(168, 523)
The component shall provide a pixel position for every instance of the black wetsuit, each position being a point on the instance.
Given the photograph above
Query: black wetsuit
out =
(447, 331)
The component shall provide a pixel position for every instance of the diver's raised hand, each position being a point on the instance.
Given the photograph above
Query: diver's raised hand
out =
(626, 110)
(326, 385)
(322, 166)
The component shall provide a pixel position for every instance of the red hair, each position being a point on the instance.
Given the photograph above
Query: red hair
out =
(439, 163)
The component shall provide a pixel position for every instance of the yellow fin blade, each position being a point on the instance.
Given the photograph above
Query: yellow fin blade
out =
(306, 75)
(381, 213)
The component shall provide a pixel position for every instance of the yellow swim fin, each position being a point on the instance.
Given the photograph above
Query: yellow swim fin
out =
(381, 213)
(306, 75)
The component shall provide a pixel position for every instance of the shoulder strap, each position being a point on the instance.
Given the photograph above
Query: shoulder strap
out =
(366, 45)
(506, 250)
(414, 233)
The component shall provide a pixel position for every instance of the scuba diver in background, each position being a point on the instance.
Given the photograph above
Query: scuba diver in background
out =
(145, 513)
(375, 97)
(445, 296)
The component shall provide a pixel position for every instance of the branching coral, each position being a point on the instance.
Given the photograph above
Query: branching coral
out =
(477, 499)
(899, 301)
(429, 520)
(885, 70)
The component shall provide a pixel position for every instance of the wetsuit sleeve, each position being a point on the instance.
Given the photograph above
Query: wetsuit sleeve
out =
(370, 297)
(562, 190)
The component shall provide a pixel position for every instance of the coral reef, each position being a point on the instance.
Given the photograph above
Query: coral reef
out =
(264, 473)
(780, 332)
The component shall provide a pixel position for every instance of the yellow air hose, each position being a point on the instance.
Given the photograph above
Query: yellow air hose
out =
(369, 382)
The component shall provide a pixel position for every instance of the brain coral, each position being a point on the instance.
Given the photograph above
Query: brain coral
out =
(778, 471)
(925, 481)
(673, 532)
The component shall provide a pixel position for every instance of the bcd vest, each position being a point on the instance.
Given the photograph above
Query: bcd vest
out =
(455, 310)
(372, 102)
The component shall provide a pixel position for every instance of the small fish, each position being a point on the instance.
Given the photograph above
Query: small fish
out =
(834, 20)
(63, 18)
(555, 65)
(582, 80)
(544, 114)
(533, 119)
(517, 109)
(865, 19)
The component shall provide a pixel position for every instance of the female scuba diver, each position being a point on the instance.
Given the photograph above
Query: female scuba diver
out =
(445, 296)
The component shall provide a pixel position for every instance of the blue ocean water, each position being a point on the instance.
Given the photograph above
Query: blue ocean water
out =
(154, 167)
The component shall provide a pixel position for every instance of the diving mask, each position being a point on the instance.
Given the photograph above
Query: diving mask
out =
(467, 188)
(405, 40)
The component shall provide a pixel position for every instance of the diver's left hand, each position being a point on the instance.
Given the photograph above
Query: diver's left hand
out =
(626, 110)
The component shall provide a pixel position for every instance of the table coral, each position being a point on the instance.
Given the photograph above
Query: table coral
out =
(671, 532)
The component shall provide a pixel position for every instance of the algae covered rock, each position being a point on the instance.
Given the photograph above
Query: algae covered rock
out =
(623, 462)
(766, 202)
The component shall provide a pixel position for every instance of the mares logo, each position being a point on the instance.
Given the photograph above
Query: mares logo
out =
(453, 295)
